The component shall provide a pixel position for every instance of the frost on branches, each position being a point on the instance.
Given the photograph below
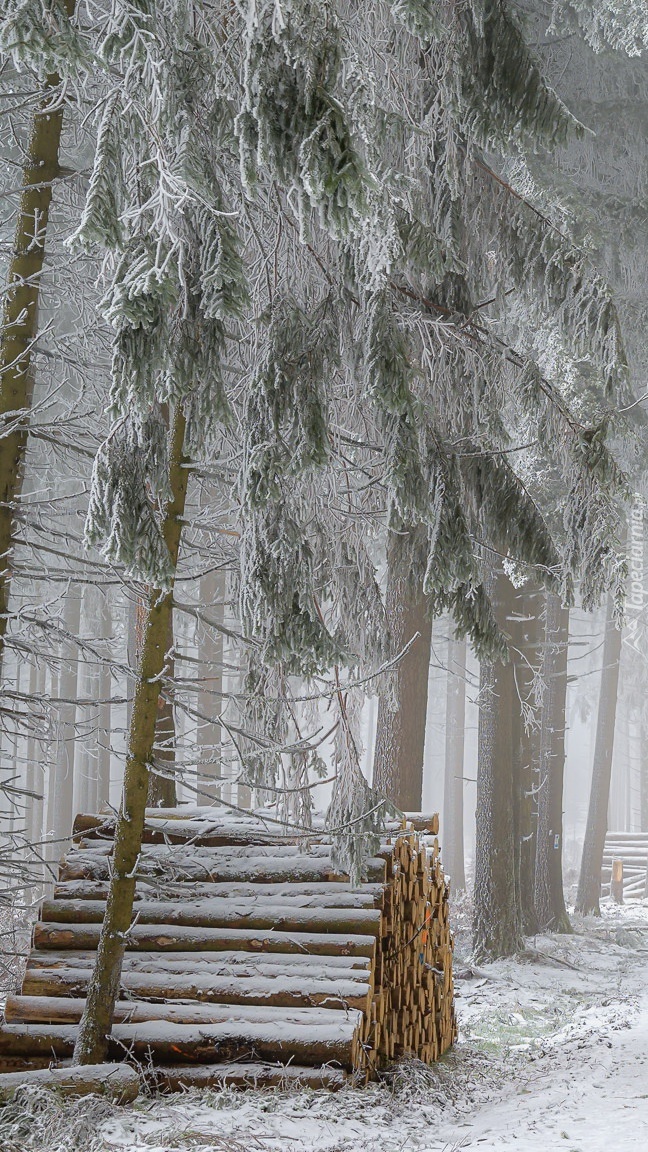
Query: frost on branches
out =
(306, 243)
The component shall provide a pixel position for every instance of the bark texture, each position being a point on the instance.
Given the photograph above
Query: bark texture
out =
(162, 785)
(497, 923)
(92, 1042)
(452, 831)
(527, 634)
(210, 696)
(60, 808)
(589, 884)
(19, 328)
(402, 709)
(549, 893)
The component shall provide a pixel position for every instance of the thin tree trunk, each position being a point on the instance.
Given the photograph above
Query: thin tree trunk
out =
(589, 884)
(20, 317)
(85, 799)
(549, 892)
(104, 731)
(452, 838)
(497, 922)
(94, 1030)
(210, 695)
(60, 807)
(162, 785)
(527, 636)
(402, 709)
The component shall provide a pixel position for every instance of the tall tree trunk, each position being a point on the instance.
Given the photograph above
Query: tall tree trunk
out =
(549, 892)
(497, 921)
(527, 636)
(402, 709)
(589, 884)
(20, 316)
(94, 1030)
(60, 807)
(104, 727)
(210, 696)
(85, 798)
(452, 838)
(162, 785)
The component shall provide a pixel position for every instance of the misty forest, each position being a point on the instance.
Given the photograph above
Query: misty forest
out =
(323, 589)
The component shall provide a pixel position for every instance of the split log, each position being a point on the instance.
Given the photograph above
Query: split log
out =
(119, 1082)
(282, 990)
(179, 938)
(221, 913)
(165, 1042)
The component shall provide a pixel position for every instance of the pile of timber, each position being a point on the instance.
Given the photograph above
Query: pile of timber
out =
(250, 960)
(632, 849)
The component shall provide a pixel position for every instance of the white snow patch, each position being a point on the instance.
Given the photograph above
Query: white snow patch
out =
(553, 1055)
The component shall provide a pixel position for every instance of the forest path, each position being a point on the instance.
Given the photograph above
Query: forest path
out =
(584, 1086)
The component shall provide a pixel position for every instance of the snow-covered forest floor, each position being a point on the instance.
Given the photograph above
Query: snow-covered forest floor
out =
(553, 1054)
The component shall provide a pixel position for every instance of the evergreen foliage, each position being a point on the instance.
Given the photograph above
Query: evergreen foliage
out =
(620, 24)
(298, 221)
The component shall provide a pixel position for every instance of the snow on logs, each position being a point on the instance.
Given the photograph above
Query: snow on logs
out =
(250, 960)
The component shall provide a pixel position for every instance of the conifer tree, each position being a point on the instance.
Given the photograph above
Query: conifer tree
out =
(43, 46)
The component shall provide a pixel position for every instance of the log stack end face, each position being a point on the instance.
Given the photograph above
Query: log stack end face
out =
(250, 959)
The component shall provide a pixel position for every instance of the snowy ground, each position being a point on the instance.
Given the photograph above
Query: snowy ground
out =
(553, 1055)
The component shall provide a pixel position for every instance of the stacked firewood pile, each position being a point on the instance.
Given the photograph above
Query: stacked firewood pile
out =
(250, 959)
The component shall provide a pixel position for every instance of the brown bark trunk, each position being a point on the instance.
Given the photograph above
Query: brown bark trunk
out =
(549, 893)
(497, 922)
(60, 807)
(527, 635)
(19, 328)
(589, 884)
(162, 785)
(92, 1043)
(402, 709)
(452, 836)
(210, 696)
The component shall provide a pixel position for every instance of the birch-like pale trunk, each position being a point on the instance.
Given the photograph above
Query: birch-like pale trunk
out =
(94, 1029)
(19, 329)
(589, 884)
(452, 838)
(402, 711)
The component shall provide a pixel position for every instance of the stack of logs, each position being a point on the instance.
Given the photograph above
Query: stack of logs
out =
(250, 959)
